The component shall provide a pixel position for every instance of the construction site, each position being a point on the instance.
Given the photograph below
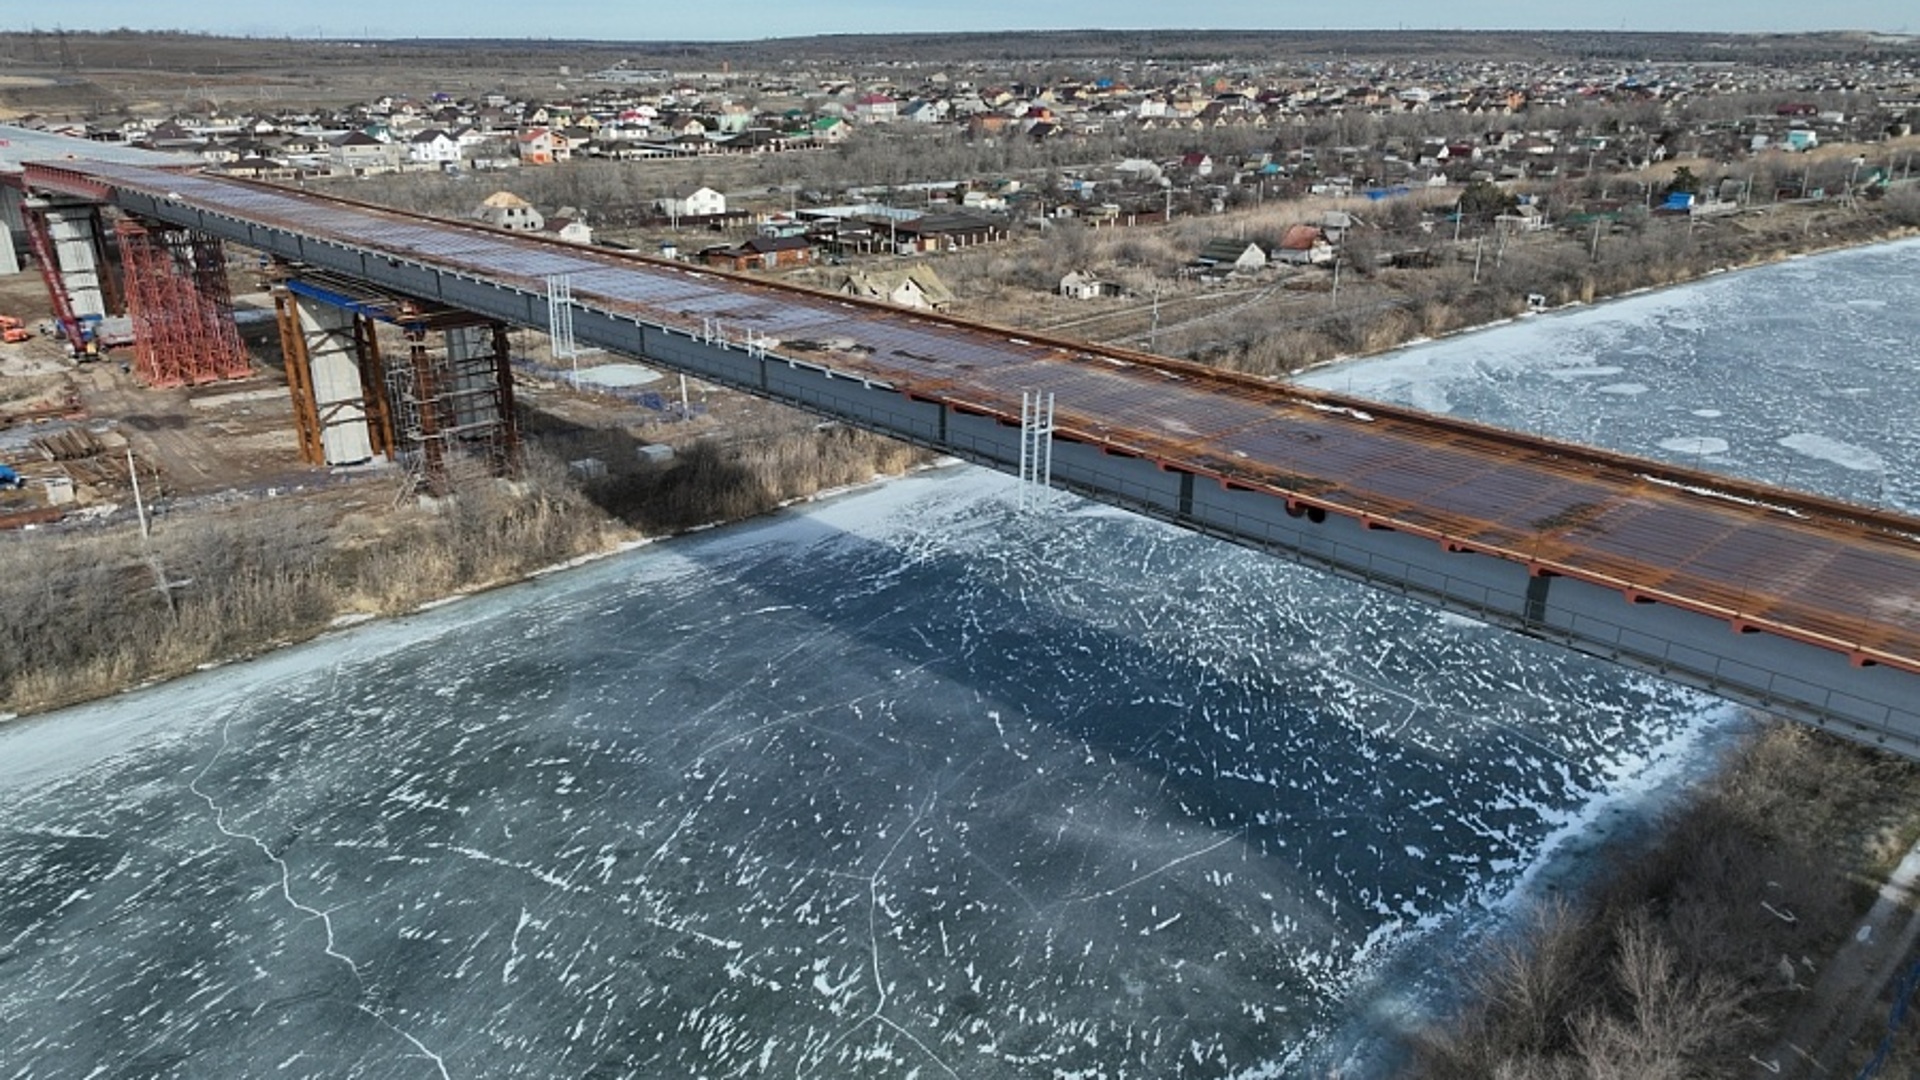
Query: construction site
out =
(149, 363)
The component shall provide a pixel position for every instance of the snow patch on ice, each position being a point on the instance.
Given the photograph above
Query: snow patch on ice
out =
(1844, 454)
(1694, 444)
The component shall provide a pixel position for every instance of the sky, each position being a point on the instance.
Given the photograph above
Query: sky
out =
(662, 20)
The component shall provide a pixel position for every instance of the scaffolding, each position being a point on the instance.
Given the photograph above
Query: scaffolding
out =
(441, 404)
(180, 305)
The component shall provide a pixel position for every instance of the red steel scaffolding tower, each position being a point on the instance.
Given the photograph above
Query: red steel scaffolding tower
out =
(181, 307)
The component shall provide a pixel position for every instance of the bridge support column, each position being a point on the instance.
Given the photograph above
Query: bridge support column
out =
(479, 394)
(68, 244)
(329, 357)
(456, 404)
(441, 404)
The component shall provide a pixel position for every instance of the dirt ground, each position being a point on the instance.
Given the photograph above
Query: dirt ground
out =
(61, 418)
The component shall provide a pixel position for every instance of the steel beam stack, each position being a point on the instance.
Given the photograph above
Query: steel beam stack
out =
(181, 307)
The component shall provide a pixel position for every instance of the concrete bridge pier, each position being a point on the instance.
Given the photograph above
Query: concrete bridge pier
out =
(439, 399)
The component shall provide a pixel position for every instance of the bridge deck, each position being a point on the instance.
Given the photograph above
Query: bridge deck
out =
(1836, 575)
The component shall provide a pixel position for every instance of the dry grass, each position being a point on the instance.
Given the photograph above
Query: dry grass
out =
(1676, 965)
(92, 618)
(710, 482)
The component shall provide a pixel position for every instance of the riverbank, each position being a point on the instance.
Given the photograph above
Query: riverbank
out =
(106, 609)
(1484, 285)
(1696, 946)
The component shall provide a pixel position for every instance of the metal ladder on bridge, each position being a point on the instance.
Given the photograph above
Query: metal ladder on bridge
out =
(1036, 446)
(560, 323)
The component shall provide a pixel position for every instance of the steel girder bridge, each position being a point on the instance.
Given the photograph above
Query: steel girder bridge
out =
(1800, 605)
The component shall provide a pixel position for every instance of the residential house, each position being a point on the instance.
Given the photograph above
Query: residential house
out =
(780, 225)
(1527, 218)
(535, 146)
(757, 140)
(926, 111)
(505, 210)
(1303, 245)
(682, 127)
(1229, 256)
(760, 253)
(732, 118)
(1080, 285)
(830, 130)
(947, 232)
(568, 226)
(470, 139)
(433, 147)
(258, 167)
(988, 125)
(701, 202)
(914, 287)
(876, 109)
(360, 154)
(1198, 164)
(222, 153)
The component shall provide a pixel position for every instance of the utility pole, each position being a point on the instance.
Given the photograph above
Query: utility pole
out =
(139, 505)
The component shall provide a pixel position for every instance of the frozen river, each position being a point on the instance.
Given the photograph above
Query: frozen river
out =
(1801, 374)
(905, 784)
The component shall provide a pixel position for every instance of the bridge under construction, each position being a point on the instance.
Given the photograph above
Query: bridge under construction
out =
(1801, 605)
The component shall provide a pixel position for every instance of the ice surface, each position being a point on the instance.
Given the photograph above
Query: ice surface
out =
(1798, 373)
(908, 780)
